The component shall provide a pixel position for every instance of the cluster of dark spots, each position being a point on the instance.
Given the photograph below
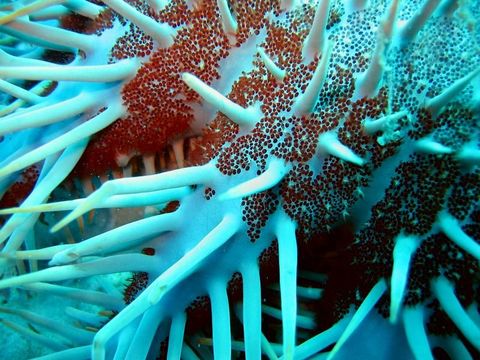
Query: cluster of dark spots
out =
(58, 57)
(464, 195)
(439, 323)
(199, 315)
(20, 188)
(334, 17)
(300, 143)
(214, 136)
(413, 200)
(256, 211)
(171, 207)
(452, 127)
(138, 282)
(156, 98)
(319, 201)
(268, 261)
(209, 193)
(352, 133)
(417, 194)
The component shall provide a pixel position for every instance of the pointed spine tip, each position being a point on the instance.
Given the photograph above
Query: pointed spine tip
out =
(288, 5)
(445, 292)
(355, 5)
(468, 155)
(369, 82)
(451, 227)
(329, 143)
(388, 22)
(238, 114)
(229, 24)
(305, 103)
(276, 171)
(430, 146)
(278, 73)
(390, 125)
(437, 103)
(405, 247)
(162, 33)
(316, 38)
(412, 27)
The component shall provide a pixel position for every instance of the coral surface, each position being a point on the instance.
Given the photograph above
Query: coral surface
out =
(253, 179)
